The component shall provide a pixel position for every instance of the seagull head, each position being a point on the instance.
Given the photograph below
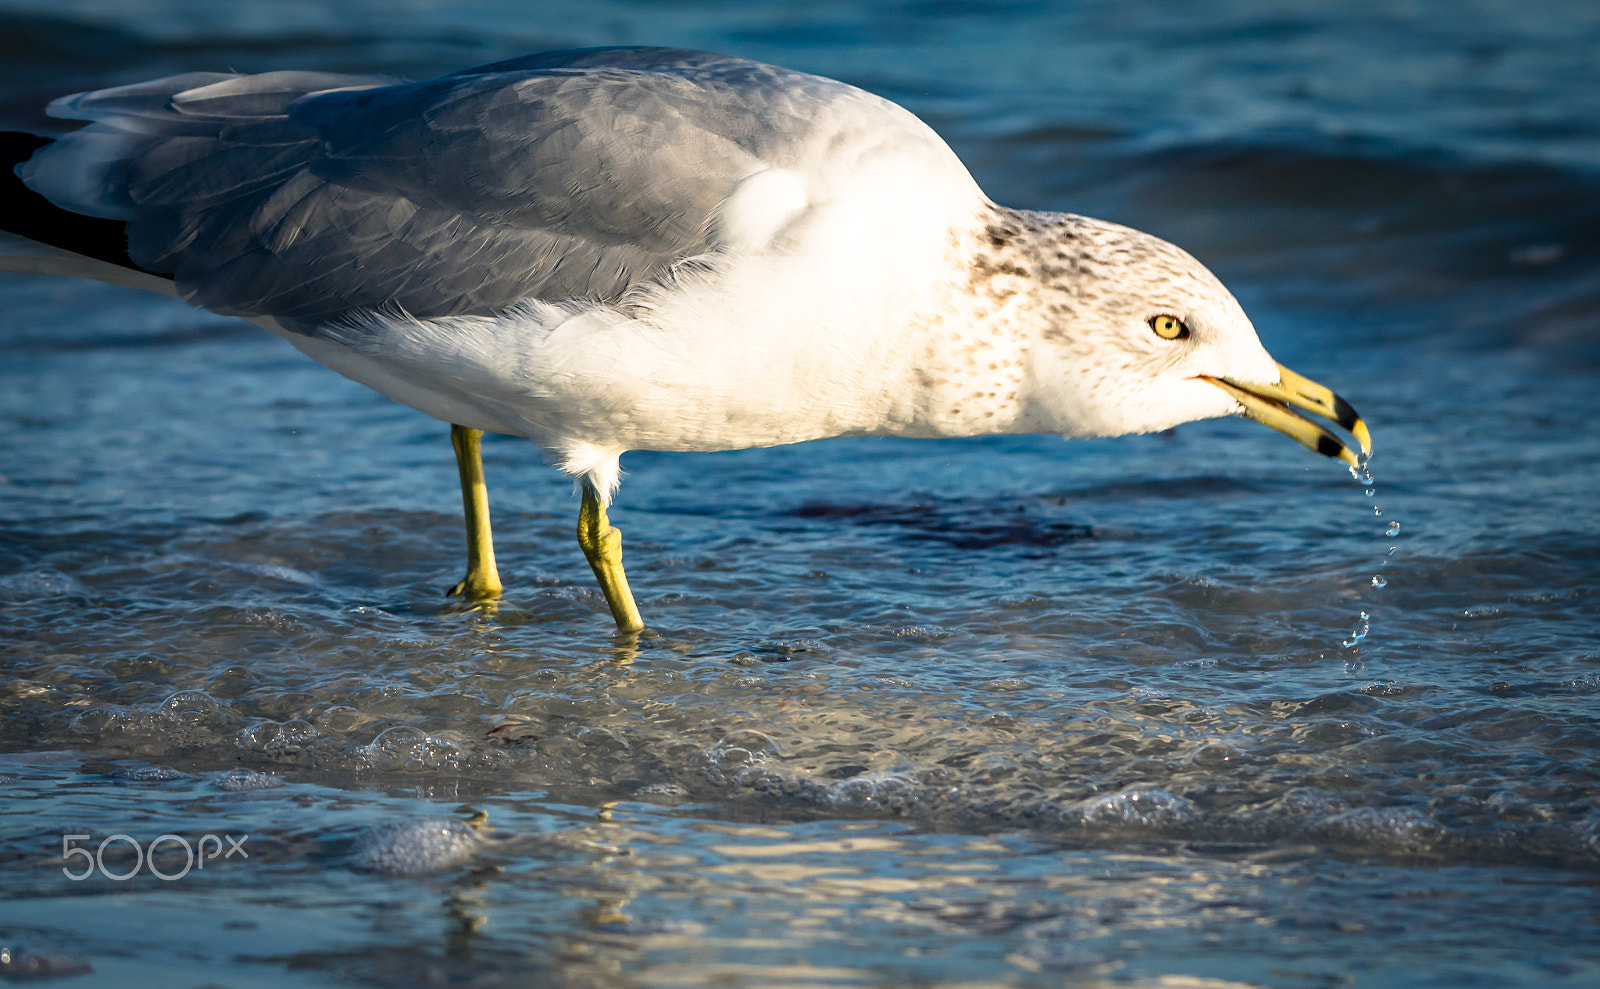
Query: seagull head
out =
(1140, 337)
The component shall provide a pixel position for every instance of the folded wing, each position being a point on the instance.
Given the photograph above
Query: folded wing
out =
(312, 197)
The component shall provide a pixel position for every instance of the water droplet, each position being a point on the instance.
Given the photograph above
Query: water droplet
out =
(1391, 550)
(1378, 581)
(1371, 492)
(1393, 530)
(1376, 510)
(1362, 628)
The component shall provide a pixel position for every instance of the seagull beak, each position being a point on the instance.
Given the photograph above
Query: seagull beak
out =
(1270, 405)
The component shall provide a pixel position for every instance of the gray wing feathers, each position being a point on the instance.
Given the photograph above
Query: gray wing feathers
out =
(593, 154)
(312, 196)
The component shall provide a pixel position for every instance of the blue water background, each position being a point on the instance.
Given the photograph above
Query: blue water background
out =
(1003, 711)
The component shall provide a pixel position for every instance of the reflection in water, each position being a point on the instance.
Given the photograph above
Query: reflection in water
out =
(464, 903)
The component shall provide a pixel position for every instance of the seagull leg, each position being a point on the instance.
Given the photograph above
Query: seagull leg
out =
(482, 582)
(602, 546)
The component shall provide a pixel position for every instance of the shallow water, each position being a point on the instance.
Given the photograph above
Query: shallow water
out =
(995, 712)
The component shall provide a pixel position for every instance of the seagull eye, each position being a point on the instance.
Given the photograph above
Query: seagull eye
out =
(1168, 327)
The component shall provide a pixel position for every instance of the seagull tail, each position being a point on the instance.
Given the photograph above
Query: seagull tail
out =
(39, 237)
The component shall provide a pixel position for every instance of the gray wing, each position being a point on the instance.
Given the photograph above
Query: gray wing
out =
(310, 196)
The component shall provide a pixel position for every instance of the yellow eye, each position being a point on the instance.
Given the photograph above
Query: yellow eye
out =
(1168, 327)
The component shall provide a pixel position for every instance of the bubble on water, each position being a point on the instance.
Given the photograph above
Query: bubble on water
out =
(662, 793)
(186, 716)
(1149, 806)
(1307, 802)
(244, 780)
(924, 633)
(745, 745)
(1214, 755)
(41, 583)
(885, 790)
(149, 774)
(735, 753)
(277, 738)
(105, 721)
(1389, 829)
(341, 718)
(1393, 530)
(411, 749)
(1378, 581)
(602, 741)
(415, 848)
(190, 707)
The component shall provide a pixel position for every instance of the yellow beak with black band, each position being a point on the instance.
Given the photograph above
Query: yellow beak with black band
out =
(1270, 405)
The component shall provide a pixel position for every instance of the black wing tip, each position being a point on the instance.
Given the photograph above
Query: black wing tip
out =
(17, 146)
(27, 214)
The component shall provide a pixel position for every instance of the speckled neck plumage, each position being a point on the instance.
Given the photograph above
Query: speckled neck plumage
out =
(1012, 268)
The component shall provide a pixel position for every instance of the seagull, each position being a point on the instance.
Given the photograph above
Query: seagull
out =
(614, 249)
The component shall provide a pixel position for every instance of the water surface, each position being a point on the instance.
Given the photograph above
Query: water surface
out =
(1006, 711)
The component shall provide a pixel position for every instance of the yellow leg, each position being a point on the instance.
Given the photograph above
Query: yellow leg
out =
(602, 545)
(482, 582)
